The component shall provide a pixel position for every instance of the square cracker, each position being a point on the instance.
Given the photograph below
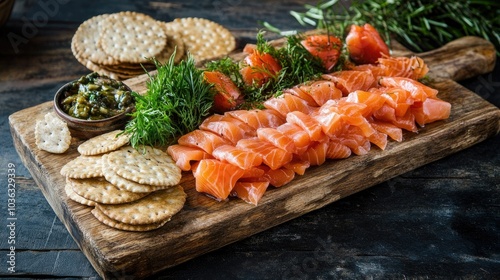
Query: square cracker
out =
(154, 208)
(52, 134)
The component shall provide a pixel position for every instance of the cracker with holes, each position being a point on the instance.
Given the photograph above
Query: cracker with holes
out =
(156, 207)
(145, 165)
(126, 184)
(52, 134)
(83, 167)
(203, 39)
(99, 215)
(132, 37)
(76, 198)
(104, 143)
(85, 42)
(101, 191)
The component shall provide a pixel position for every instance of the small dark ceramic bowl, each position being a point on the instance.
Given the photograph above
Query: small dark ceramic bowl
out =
(85, 129)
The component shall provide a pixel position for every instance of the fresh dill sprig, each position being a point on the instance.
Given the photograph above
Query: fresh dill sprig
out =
(176, 102)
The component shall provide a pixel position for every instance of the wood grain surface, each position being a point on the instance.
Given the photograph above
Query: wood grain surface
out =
(205, 225)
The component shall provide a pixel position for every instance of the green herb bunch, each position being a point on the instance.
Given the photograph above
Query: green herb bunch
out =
(420, 25)
(298, 66)
(176, 102)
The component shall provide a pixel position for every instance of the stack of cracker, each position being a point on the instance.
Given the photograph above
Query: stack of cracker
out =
(130, 189)
(121, 45)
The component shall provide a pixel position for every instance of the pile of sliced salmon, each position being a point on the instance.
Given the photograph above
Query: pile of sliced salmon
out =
(242, 153)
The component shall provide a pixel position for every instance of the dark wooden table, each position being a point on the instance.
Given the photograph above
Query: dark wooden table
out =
(440, 221)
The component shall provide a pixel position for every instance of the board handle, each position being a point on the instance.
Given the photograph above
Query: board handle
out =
(458, 60)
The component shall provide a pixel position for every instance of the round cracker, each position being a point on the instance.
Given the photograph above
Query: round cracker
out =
(123, 226)
(132, 37)
(52, 134)
(125, 184)
(75, 197)
(83, 167)
(154, 208)
(148, 166)
(104, 143)
(101, 191)
(86, 39)
(174, 44)
(203, 39)
(97, 68)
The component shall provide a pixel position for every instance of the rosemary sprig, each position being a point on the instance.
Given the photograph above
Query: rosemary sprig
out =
(420, 25)
(176, 101)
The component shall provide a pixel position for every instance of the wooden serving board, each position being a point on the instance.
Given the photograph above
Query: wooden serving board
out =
(205, 225)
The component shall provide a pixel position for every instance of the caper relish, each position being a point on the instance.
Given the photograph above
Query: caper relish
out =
(96, 97)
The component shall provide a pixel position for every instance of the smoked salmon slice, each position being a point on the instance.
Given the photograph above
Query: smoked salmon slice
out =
(271, 155)
(237, 156)
(227, 130)
(409, 67)
(350, 80)
(216, 178)
(418, 91)
(286, 103)
(184, 155)
(279, 177)
(277, 138)
(250, 192)
(337, 150)
(298, 166)
(299, 136)
(307, 123)
(431, 110)
(258, 118)
(205, 140)
(315, 154)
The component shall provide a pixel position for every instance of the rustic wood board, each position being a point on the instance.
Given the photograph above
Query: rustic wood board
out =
(205, 225)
